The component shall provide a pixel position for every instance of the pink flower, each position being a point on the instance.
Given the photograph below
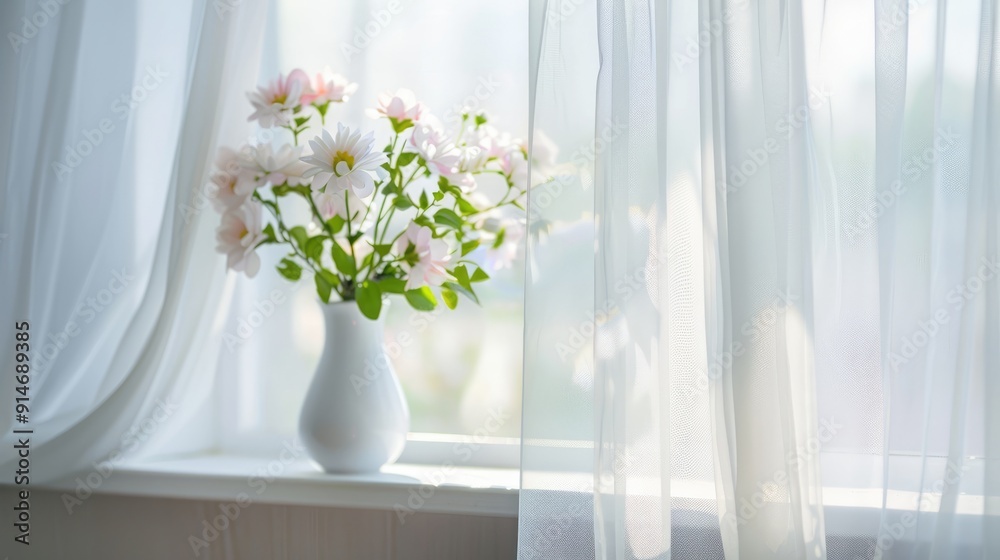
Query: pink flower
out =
(470, 160)
(436, 148)
(514, 167)
(329, 88)
(263, 164)
(503, 256)
(401, 106)
(425, 266)
(493, 142)
(239, 234)
(233, 186)
(332, 204)
(273, 104)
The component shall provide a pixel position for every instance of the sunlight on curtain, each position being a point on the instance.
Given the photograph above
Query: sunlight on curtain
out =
(113, 111)
(761, 305)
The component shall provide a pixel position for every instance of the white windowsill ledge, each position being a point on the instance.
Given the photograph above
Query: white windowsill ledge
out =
(228, 478)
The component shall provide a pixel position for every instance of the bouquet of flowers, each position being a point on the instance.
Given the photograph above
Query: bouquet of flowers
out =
(398, 220)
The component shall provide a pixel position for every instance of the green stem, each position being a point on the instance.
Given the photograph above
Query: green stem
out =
(287, 239)
(347, 205)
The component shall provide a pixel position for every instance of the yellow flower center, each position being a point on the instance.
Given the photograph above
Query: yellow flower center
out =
(280, 98)
(345, 157)
(244, 233)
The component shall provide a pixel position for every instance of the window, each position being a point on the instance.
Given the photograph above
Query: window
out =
(463, 366)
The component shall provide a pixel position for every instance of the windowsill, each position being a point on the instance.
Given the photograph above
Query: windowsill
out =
(230, 478)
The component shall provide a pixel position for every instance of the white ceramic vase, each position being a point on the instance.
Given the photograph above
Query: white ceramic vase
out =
(355, 417)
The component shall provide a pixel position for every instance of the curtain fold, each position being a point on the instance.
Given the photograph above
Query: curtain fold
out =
(761, 303)
(115, 109)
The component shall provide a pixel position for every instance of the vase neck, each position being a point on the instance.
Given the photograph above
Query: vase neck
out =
(344, 319)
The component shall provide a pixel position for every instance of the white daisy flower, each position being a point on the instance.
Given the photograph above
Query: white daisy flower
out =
(345, 161)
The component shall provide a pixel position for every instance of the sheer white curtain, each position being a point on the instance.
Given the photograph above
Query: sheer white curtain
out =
(111, 112)
(762, 308)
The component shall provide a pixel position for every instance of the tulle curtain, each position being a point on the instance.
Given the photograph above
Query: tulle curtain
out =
(762, 304)
(111, 112)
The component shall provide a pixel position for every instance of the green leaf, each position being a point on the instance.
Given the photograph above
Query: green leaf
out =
(462, 275)
(314, 247)
(282, 190)
(448, 218)
(336, 223)
(330, 277)
(479, 275)
(465, 206)
(382, 249)
(323, 287)
(392, 285)
(447, 187)
(438, 196)
(369, 298)
(300, 236)
(423, 220)
(424, 201)
(499, 240)
(389, 188)
(345, 262)
(406, 158)
(401, 202)
(299, 121)
(449, 297)
(290, 269)
(469, 246)
(400, 126)
(467, 292)
(421, 299)
(269, 234)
